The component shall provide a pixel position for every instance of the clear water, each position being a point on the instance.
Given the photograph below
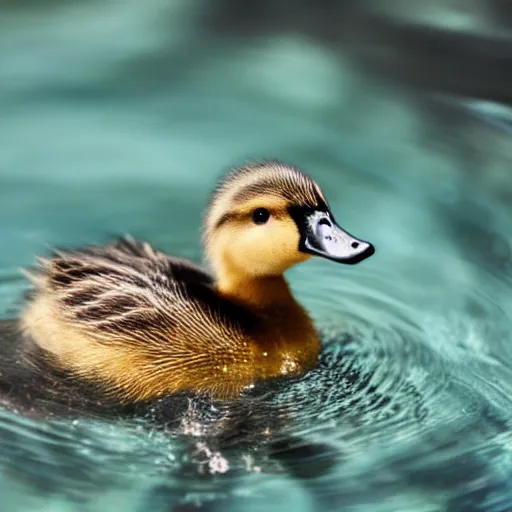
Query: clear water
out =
(119, 116)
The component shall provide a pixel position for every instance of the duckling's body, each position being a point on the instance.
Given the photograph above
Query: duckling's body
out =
(140, 324)
(148, 325)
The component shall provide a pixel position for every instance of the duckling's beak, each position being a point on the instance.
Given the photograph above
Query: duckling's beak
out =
(321, 236)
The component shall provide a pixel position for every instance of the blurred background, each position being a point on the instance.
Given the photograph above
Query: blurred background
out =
(119, 116)
(104, 104)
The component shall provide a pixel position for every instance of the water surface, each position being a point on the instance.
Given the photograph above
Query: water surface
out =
(119, 118)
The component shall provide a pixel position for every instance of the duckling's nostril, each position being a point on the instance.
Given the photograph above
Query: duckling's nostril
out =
(324, 222)
(355, 245)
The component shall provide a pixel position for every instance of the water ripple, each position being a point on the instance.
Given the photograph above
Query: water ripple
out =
(400, 394)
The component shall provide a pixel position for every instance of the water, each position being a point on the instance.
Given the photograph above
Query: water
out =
(119, 118)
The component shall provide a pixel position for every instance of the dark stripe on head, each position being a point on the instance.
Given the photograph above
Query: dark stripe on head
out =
(224, 220)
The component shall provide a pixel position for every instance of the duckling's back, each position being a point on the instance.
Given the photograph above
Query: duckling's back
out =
(139, 321)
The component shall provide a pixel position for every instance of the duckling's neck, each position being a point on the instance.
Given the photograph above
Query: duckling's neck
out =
(287, 342)
(257, 292)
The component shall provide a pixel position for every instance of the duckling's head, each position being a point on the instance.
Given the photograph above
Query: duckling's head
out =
(265, 218)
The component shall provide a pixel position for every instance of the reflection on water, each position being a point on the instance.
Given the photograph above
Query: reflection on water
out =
(119, 117)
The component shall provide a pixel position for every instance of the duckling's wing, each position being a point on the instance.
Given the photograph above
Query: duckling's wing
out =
(157, 317)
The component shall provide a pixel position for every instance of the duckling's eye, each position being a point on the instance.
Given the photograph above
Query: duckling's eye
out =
(260, 215)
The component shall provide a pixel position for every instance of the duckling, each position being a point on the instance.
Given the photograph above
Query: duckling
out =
(142, 324)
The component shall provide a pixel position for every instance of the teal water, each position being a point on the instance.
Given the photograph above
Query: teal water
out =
(118, 118)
